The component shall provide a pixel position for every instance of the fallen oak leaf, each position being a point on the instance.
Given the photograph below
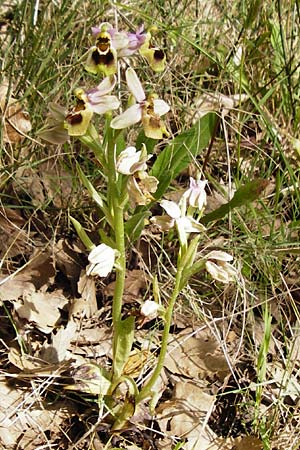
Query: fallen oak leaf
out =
(16, 123)
(42, 309)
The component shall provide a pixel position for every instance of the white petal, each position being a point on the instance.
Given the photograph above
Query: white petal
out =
(160, 107)
(231, 271)
(218, 255)
(196, 195)
(171, 208)
(134, 85)
(129, 117)
(120, 40)
(106, 103)
(127, 159)
(128, 152)
(149, 309)
(218, 272)
(189, 225)
(107, 84)
(102, 260)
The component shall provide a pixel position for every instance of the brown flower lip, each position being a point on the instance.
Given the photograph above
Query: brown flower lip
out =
(74, 119)
(159, 54)
(102, 58)
(103, 44)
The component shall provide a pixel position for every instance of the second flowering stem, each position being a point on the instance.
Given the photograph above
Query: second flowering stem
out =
(117, 211)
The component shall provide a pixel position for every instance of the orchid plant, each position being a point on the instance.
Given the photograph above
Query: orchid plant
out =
(130, 188)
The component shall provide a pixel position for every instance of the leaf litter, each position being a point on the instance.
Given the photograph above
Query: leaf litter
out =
(67, 335)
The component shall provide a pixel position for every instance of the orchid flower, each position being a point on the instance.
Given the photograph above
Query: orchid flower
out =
(110, 43)
(176, 217)
(149, 309)
(130, 160)
(126, 43)
(102, 57)
(102, 259)
(217, 265)
(147, 110)
(196, 195)
(155, 56)
(97, 99)
(64, 123)
(140, 188)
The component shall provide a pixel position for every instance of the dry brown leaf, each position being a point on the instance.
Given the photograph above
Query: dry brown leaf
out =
(42, 309)
(57, 351)
(32, 366)
(195, 356)
(41, 269)
(209, 441)
(184, 415)
(22, 361)
(247, 443)
(14, 240)
(68, 260)
(87, 304)
(94, 342)
(135, 281)
(24, 421)
(136, 362)
(38, 274)
(49, 183)
(16, 124)
(15, 287)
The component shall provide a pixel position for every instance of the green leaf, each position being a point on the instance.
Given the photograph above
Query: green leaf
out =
(92, 191)
(246, 194)
(125, 335)
(135, 225)
(91, 140)
(94, 195)
(82, 234)
(182, 150)
(123, 412)
(142, 139)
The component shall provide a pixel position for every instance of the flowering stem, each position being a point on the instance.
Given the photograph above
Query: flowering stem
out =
(146, 390)
(118, 227)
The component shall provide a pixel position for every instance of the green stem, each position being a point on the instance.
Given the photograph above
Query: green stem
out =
(117, 212)
(120, 276)
(146, 390)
